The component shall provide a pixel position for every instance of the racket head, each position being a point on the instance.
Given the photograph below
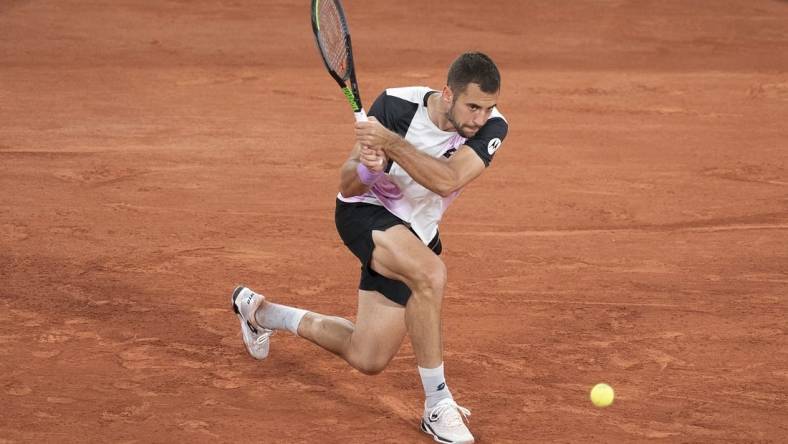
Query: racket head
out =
(332, 36)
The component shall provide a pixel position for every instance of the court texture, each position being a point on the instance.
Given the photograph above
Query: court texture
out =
(632, 229)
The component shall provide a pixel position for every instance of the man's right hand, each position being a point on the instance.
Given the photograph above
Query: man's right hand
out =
(374, 160)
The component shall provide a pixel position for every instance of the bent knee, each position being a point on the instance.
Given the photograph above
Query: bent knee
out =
(371, 370)
(372, 366)
(430, 280)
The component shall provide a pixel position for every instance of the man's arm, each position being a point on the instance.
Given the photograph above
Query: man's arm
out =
(437, 175)
(349, 182)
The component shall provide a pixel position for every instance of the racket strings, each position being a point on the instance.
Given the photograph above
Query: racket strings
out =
(332, 37)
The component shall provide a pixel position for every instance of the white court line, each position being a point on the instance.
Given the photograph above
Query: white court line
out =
(633, 304)
(647, 229)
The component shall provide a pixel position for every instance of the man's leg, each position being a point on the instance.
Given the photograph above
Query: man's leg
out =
(368, 345)
(400, 255)
(371, 343)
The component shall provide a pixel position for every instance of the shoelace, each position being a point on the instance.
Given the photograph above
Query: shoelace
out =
(449, 407)
(263, 338)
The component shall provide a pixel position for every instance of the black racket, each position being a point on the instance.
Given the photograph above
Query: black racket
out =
(333, 40)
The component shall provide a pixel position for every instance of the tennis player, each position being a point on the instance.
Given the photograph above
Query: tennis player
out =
(410, 161)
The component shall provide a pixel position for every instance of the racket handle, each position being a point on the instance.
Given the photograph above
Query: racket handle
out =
(361, 116)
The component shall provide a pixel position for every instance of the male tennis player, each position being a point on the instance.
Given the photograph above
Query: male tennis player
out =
(414, 156)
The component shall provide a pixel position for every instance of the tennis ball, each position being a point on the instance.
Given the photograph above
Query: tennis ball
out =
(602, 395)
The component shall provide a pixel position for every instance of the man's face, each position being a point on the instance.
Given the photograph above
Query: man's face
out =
(470, 109)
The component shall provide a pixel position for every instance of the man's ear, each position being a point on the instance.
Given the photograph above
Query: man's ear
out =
(447, 95)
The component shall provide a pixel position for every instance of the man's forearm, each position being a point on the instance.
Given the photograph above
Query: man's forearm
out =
(349, 184)
(431, 173)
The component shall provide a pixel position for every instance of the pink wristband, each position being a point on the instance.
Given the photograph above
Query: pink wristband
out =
(366, 176)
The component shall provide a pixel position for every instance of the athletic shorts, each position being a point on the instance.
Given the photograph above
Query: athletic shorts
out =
(355, 222)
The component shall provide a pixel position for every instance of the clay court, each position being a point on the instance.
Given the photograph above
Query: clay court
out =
(632, 229)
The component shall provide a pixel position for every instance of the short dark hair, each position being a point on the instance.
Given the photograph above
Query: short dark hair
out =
(474, 67)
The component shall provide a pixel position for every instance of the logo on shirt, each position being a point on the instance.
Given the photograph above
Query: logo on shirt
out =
(493, 146)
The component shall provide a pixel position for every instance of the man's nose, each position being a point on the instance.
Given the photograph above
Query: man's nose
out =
(479, 119)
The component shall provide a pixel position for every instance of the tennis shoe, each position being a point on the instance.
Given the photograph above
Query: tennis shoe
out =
(256, 338)
(444, 422)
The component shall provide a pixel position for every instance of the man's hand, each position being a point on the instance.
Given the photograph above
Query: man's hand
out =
(375, 136)
(373, 159)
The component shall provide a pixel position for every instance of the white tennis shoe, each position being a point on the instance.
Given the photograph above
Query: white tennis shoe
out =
(445, 423)
(256, 338)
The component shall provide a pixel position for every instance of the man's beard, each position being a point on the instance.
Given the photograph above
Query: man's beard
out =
(457, 127)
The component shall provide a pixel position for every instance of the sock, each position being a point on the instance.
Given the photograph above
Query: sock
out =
(434, 383)
(279, 317)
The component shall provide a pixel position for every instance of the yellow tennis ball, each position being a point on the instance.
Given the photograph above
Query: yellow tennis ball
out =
(602, 395)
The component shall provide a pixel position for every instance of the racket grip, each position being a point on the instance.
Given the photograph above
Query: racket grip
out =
(361, 116)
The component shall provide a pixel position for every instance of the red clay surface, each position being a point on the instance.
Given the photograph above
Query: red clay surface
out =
(633, 228)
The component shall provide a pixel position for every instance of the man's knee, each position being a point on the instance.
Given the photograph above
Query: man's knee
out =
(372, 368)
(371, 362)
(430, 280)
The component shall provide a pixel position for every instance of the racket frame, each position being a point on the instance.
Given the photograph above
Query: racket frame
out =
(350, 91)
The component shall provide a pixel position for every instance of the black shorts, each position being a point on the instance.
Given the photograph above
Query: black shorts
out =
(355, 223)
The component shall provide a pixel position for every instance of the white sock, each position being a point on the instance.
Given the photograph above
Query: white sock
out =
(434, 384)
(279, 317)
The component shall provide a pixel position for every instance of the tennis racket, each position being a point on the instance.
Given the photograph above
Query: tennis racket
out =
(333, 41)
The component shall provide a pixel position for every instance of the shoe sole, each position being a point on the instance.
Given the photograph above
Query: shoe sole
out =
(234, 297)
(426, 429)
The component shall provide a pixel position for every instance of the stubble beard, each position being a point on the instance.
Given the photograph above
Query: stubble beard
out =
(457, 126)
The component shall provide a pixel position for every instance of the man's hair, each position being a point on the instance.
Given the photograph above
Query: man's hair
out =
(474, 67)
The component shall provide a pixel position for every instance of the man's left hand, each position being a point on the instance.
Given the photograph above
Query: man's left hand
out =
(374, 135)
